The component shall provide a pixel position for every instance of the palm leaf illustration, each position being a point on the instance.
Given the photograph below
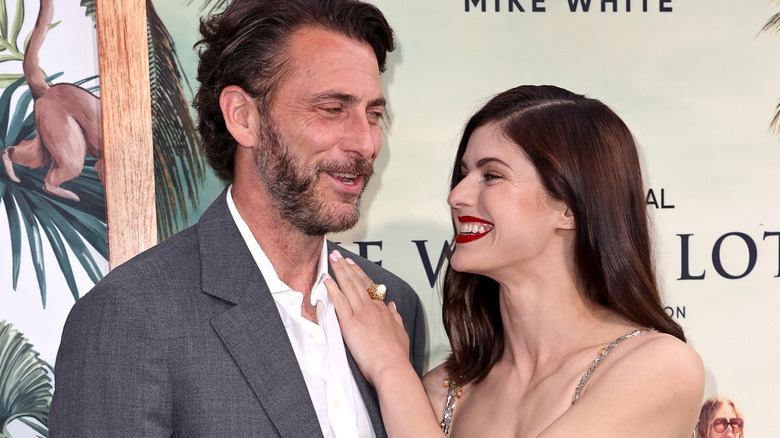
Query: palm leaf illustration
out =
(9, 39)
(179, 169)
(211, 6)
(773, 25)
(178, 166)
(25, 382)
(89, 5)
(68, 226)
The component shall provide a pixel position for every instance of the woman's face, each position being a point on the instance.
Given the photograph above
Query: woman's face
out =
(725, 411)
(504, 218)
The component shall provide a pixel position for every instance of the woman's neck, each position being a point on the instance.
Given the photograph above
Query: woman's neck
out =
(546, 318)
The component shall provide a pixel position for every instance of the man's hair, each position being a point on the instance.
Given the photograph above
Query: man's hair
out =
(586, 158)
(247, 45)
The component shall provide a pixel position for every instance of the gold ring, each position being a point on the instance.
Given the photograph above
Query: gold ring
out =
(377, 292)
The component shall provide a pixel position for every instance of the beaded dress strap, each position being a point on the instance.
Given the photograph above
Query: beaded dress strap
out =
(602, 355)
(454, 392)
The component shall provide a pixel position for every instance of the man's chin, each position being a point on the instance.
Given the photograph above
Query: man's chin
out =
(333, 218)
(344, 219)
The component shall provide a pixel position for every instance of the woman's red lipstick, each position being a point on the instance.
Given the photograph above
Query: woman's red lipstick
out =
(472, 235)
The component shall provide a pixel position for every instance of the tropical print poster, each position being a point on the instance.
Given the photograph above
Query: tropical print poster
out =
(52, 200)
(53, 224)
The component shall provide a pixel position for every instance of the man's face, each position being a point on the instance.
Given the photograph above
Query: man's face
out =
(319, 143)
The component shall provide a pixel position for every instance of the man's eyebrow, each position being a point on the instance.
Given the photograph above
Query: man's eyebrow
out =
(345, 98)
(379, 101)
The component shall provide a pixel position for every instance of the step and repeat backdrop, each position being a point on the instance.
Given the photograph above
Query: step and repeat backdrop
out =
(697, 81)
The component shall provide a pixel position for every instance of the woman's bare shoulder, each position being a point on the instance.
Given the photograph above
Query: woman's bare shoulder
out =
(655, 379)
(433, 382)
(666, 356)
(659, 362)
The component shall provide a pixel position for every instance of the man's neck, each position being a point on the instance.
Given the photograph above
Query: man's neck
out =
(293, 254)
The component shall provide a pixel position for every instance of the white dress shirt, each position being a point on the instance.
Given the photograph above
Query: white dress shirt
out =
(319, 348)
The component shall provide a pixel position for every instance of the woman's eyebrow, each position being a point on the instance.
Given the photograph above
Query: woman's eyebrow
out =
(482, 162)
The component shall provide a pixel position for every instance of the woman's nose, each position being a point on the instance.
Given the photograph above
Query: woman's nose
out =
(461, 195)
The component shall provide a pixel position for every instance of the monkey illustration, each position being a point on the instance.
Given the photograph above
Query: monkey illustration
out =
(67, 118)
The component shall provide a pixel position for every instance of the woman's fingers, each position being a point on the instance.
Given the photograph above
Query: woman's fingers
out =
(349, 292)
(349, 282)
(340, 301)
(394, 311)
(354, 283)
(372, 330)
(359, 273)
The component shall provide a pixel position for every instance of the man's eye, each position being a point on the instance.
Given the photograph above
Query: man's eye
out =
(331, 109)
(376, 115)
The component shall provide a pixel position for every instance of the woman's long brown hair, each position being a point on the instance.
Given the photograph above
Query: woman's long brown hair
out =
(587, 158)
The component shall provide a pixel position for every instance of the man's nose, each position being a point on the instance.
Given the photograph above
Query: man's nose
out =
(361, 136)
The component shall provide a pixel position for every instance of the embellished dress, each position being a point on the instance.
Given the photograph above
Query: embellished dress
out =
(454, 390)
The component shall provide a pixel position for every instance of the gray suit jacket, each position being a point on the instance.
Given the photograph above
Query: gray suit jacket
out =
(185, 340)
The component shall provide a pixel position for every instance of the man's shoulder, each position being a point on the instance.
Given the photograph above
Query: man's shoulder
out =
(172, 263)
(155, 285)
(175, 253)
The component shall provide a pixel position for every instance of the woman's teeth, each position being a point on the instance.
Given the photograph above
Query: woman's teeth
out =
(474, 228)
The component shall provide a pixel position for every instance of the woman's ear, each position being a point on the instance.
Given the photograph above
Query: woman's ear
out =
(240, 114)
(567, 219)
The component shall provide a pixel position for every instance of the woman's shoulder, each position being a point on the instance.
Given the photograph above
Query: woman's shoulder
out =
(433, 382)
(655, 377)
(658, 360)
(664, 355)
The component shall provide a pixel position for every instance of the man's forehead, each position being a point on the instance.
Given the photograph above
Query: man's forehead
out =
(310, 44)
(326, 63)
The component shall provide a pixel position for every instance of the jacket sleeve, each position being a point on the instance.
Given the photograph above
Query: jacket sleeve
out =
(111, 373)
(417, 337)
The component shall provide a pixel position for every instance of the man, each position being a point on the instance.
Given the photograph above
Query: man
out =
(226, 329)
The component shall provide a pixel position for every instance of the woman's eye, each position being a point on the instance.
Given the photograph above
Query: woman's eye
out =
(491, 176)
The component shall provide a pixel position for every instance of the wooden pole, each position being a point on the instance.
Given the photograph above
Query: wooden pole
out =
(125, 103)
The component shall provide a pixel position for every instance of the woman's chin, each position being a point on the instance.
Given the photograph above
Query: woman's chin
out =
(464, 265)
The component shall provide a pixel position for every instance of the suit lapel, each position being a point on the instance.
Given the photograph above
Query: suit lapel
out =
(252, 330)
(367, 392)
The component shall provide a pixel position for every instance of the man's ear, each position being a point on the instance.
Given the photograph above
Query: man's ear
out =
(240, 114)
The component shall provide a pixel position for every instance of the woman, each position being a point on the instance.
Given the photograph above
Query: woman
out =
(551, 271)
(720, 418)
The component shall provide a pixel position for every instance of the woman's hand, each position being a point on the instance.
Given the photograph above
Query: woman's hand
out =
(375, 335)
(373, 331)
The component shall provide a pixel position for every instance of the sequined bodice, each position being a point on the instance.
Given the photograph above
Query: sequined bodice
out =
(454, 390)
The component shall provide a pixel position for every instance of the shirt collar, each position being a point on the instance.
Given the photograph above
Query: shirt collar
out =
(275, 285)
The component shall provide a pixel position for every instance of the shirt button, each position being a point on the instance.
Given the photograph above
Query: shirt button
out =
(314, 333)
(293, 301)
(337, 403)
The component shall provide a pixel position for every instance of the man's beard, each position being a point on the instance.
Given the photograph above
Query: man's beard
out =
(293, 187)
